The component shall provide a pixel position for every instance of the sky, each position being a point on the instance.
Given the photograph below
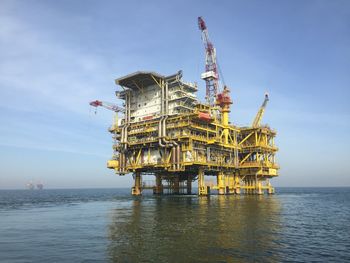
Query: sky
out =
(56, 56)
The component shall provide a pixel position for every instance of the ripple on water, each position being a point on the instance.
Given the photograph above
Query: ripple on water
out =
(295, 225)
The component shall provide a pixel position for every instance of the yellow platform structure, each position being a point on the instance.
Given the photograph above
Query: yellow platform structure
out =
(167, 133)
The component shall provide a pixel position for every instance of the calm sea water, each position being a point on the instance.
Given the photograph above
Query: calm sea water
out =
(109, 225)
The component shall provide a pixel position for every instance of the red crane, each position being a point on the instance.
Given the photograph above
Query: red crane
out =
(107, 105)
(211, 75)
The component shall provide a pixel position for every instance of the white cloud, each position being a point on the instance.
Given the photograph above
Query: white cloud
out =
(36, 69)
(45, 87)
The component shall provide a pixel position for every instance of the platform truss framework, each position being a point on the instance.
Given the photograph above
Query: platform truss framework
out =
(166, 132)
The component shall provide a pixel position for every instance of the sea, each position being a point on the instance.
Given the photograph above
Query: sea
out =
(110, 225)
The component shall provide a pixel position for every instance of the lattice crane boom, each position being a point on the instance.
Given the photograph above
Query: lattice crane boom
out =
(210, 75)
(107, 105)
(259, 115)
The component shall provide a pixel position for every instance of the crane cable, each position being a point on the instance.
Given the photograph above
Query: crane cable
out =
(221, 76)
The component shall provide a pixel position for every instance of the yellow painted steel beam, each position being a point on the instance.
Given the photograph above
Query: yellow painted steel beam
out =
(245, 158)
(246, 138)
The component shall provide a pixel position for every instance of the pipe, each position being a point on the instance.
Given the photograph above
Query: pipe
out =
(160, 143)
(166, 100)
(125, 136)
(121, 159)
(160, 134)
(164, 113)
(124, 133)
(173, 157)
(162, 124)
(178, 157)
(160, 129)
(126, 117)
(128, 121)
(170, 143)
(129, 109)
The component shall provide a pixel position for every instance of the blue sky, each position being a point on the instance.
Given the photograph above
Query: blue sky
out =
(56, 56)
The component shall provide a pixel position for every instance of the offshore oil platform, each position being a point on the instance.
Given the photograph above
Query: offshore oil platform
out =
(165, 131)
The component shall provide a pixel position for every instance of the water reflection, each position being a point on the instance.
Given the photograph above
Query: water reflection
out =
(196, 229)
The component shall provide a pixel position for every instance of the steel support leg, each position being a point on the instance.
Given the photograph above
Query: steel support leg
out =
(270, 189)
(137, 190)
(237, 184)
(221, 183)
(259, 190)
(231, 184)
(189, 185)
(202, 190)
(159, 187)
(176, 185)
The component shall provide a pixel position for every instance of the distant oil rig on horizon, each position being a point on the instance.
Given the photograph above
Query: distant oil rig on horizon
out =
(32, 186)
(167, 132)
